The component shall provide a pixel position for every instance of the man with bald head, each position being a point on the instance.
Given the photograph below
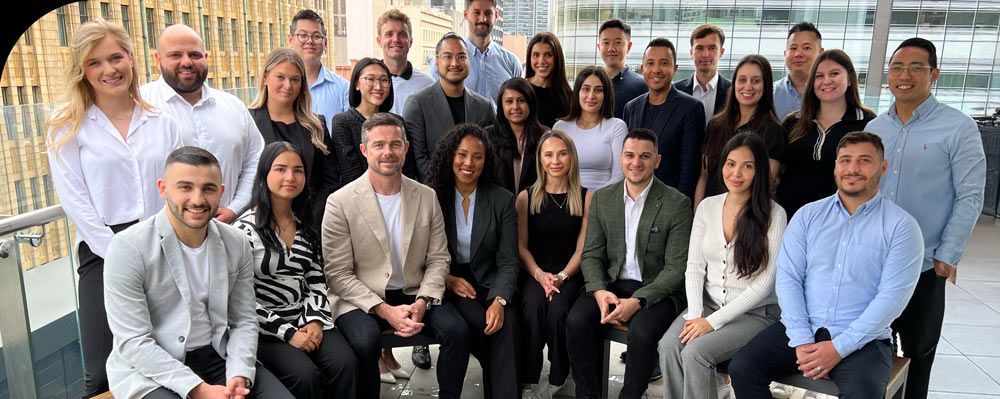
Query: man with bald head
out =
(211, 119)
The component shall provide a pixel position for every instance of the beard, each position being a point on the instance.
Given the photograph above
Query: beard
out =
(185, 87)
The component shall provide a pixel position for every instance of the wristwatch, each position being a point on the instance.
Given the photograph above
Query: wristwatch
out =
(562, 275)
(503, 302)
(427, 301)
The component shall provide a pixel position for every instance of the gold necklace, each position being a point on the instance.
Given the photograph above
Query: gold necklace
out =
(127, 116)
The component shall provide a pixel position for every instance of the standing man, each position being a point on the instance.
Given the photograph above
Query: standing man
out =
(211, 119)
(847, 265)
(803, 45)
(677, 118)
(489, 63)
(387, 258)
(307, 37)
(937, 174)
(180, 296)
(435, 109)
(614, 41)
(633, 266)
(395, 36)
(706, 85)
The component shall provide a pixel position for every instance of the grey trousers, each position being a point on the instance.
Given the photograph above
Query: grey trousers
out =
(689, 370)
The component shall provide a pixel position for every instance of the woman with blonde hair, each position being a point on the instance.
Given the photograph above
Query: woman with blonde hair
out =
(282, 112)
(551, 220)
(106, 148)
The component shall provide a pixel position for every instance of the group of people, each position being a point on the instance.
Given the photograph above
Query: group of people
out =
(263, 251)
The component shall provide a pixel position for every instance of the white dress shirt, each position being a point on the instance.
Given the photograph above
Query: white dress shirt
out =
(463, 227)
(196, 262)
(392, 209)
(220, 123)
(103, 179)
(633, 211)
(706, 96)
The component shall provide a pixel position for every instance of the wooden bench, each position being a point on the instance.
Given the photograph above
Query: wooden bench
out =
(106, 395)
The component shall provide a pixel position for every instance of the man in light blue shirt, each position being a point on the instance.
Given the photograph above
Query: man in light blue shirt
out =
(307, 37)
(847, 267)
(937, 173)
(804, 43)
(489, 63)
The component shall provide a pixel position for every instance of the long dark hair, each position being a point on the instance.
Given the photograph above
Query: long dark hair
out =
(533, 129)
(722, 127)
(607, 108)
(810, 103)
(302, 205)
(750, 251)
(442, 177)
(354, 96)
(557, 77)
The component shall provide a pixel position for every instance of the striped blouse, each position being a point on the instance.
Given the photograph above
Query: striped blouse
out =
(290, 285)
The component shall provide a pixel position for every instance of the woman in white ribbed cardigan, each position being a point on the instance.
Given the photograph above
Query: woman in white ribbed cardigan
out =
(730, 274)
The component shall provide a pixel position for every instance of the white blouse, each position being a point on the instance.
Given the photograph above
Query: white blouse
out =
(103, 179)
(598, 149)
(710, 267)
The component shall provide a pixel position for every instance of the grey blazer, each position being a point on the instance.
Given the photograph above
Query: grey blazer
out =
(146, 293)
(428, 118)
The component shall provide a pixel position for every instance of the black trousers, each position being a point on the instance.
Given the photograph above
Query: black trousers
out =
(327, 372)
(544, 323)
(862, 374)
(442, 322)
(95, 335)
(919, 329)
(585, 337)
(211, 367)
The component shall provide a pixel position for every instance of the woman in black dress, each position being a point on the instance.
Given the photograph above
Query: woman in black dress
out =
(370, 92)
(516, 135)
(546, 70)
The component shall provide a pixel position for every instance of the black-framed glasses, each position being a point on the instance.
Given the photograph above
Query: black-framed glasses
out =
(914, 69)
(315, 37)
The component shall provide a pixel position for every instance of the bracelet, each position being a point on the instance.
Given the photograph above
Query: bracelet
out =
(562, 275)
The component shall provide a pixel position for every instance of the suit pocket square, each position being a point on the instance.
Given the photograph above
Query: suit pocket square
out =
(654, 230)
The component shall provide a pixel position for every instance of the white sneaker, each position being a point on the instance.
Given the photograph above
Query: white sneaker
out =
(781, 391)
(724, 386)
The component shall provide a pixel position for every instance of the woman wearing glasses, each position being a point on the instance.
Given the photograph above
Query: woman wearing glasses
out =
(370, 92)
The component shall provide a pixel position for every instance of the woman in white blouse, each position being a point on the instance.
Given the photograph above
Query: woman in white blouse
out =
(106, 148)
(730, 273)
(591, 124)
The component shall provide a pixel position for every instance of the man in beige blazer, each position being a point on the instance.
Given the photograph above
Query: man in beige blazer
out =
(386, 257)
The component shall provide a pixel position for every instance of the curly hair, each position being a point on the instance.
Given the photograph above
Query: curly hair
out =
(442, 177)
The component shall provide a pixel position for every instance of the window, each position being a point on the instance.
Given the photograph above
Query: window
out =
(84, 12)
(125, 20)
(186, 18)
(232, 24)
(260, 36)
(225, 83)
(36, 193)
(251, 37)
(21, 97)
(206, 30)
(10, 116)
(270, 33)
(47, 181)
(151, 27)
(27, 37)
(222, 33)
(36, 92)
(239, 83)
(63, 31)
(168, 18)
(22, 200)
(7, 100)
(106, 10)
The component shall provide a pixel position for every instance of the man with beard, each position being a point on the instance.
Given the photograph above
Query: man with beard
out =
(211, 119)
(435, 109)
(307, 37)
(847, 266)
(705, 84)
(489, 63)
(180, 297)
(387, 257)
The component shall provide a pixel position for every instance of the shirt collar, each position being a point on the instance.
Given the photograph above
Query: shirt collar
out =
(864, 209)
(642, 196)
(475, 50)
(786, 83)
(712, 83)
(324, 75)
(924, 109)
(172, 94)
(459, 197)
(621, 74)
(407, 71)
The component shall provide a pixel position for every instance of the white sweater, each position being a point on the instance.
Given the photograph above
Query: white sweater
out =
(598, 149)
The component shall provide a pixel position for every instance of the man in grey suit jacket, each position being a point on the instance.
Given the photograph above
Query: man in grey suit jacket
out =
(435, 109)
(180, 297)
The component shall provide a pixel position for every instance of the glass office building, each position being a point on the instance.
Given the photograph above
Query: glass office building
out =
(965, 32)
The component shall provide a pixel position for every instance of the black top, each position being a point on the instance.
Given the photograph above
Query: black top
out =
(346, 132)
(457, 105)
(628, 85)
(506, 149)
(809, 175)
(552, 233)
(774, 138)
(549, 107)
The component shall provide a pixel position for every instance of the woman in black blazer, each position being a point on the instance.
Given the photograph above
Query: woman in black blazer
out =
(516, 135)
(370, 92)
(481, 224)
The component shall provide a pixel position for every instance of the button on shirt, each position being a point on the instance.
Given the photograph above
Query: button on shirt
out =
(103, 179)
(488, 69)
(463, 227)
(633, 212)
(628, 85)
(706, 96)
(852, 274)
(786, 98)
(937, 173)
(329, 95)
(220, 123)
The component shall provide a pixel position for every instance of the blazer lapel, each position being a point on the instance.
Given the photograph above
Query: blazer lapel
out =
(218, 276)
(263, 120)
(411, 208)
(368, 208)
(649, 211)
(175, 259)
(616, 223)
(480, 221)
(440, 104)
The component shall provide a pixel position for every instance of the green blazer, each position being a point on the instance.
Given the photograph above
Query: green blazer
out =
(661, 242)
(494, 240)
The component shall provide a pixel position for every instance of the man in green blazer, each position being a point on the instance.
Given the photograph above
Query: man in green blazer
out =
(633, 264)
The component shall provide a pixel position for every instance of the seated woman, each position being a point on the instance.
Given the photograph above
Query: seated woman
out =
(298, 342)
(481, 225)
(282, 112)
(516, 134)
(551, 221)
(370, 92)
(730, 273)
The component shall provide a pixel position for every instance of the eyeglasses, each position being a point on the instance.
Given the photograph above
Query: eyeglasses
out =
(447, 57)
(371, 81)
(914, 69)
(316, 37)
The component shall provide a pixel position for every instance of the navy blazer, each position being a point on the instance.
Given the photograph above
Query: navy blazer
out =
(721, 90)
(493, 247)
(681, 136)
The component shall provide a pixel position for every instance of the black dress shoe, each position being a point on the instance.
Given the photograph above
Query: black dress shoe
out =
(422, 356)
(622, 356)
(657, 374)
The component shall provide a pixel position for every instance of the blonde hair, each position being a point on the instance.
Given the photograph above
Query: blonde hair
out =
(537, 190)
(302, 106)
(393, 14)
(80, 94)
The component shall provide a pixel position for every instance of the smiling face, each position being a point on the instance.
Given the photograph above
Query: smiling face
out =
(108, 68)
(831, 81)
(638, 160)
(555, 157)
(592, 94)
(614, 45)
(801, 49)
(394, 40)
(453, 62)
(385, 150)
(182, 59)
(470, 157)
(373, 83)
(858, 170)
(191, 193)
(749, 84)
(658, 68)
(738, 170)
(308, 41)
(481, 16)
(283, 83)
(515, 106)
(287, 177)
(543, 59)
(706, 53)
(915, 86)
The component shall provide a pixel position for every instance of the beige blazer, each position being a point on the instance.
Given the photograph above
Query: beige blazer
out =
(356, 246)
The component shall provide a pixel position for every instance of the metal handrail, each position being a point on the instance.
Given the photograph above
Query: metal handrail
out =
(34, 218)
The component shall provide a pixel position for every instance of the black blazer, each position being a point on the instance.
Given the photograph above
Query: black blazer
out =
(505, 150)
(686, 86)
(681, 133)
(493, 247)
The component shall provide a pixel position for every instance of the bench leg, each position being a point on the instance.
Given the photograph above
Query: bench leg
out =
(605, 368)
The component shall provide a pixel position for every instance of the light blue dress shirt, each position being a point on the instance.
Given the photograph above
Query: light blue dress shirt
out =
(329, 95)
(488, 69)
(852, 274)
(937, 173)
(786, 98)
(463, 227)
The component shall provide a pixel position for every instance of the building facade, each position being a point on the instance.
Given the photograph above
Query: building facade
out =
(525, 17)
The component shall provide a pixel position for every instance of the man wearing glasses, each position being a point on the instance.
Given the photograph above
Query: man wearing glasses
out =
(307, 38)
(937, 173)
